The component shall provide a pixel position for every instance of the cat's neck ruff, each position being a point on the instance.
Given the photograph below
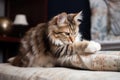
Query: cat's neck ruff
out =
(57, 42)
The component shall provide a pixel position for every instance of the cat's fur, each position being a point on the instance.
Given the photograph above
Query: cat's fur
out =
(44, 44)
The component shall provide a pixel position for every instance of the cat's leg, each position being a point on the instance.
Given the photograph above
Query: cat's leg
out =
(88, 46)
(93, 47)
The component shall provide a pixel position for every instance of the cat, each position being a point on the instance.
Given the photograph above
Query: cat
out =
(42, 45)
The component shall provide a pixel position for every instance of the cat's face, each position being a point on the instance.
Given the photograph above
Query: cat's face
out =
(64, 28)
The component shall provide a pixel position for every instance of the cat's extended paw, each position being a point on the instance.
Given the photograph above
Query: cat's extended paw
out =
(93, 47)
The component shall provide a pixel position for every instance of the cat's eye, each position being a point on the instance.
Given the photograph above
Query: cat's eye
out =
(66, 33)
(80, 20)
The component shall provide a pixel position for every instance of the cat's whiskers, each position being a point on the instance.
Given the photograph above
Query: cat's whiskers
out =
(78, 38)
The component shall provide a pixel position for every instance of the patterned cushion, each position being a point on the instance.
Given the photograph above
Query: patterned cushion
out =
(105, 20)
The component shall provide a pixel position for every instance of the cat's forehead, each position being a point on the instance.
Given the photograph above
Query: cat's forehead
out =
(68, 29)
(73, 18)
(64, 29)
(71, 15)
(64, 20)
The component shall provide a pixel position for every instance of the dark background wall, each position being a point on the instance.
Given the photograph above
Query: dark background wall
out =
(43, 10)
(35, 10)
(2, 8)
(70, 6)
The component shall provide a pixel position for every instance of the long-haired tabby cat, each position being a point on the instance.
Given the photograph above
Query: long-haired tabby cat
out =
(44, 44)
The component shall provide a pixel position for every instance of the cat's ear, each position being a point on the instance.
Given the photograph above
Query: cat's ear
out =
(78, 18)
(61, 18)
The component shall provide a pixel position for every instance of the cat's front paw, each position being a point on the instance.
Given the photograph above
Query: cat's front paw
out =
(93, 47)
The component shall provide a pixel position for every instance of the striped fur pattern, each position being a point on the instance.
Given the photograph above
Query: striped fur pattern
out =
(44, 44)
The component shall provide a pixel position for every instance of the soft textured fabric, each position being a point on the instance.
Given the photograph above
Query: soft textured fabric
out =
(105, 20)
(103, 60)
(9, 72)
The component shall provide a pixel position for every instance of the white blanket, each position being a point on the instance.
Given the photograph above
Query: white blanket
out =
(9, 72)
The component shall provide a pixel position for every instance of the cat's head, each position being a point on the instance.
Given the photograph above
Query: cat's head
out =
(64, 28)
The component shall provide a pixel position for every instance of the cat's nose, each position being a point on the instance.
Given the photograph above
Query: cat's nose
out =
(72, 39)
